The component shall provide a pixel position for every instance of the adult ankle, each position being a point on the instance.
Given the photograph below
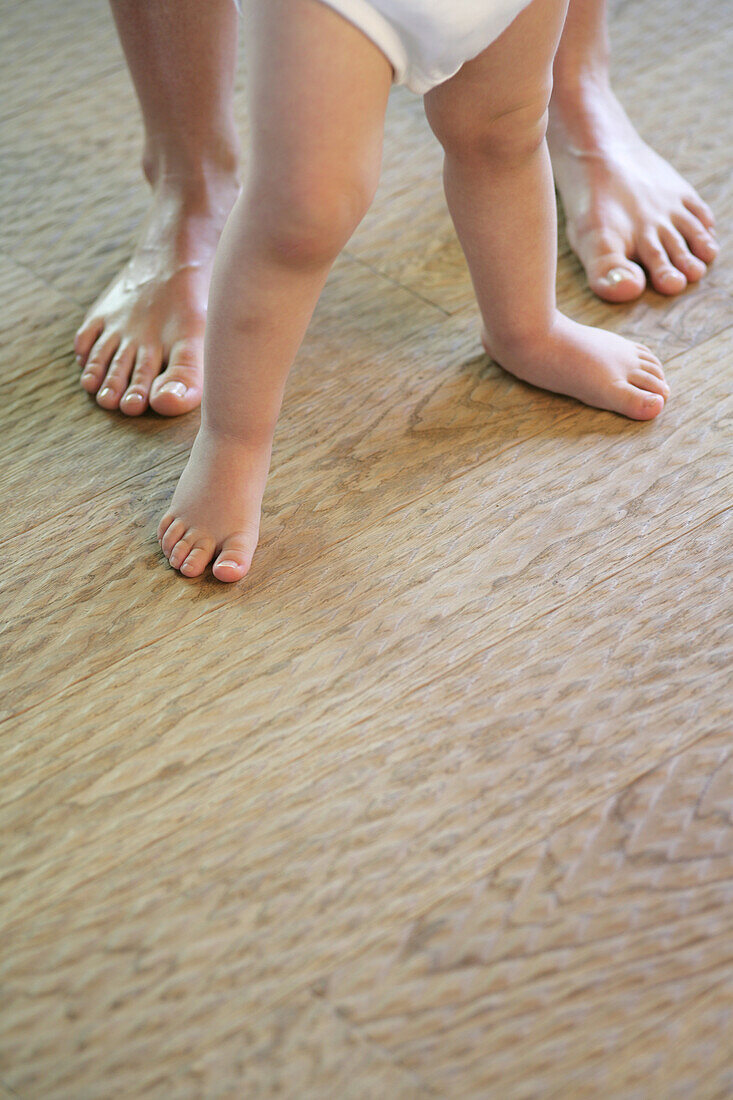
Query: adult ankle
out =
(204, 174)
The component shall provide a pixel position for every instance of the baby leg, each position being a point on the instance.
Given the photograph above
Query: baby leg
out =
(318, 94)
(491, 119)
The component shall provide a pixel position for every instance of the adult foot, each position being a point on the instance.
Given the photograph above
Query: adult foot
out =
(626, 209)
(597, 367)
(153, 314)
(215, 511)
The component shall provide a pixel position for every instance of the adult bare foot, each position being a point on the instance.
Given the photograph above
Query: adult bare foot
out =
(153, 314)
(626, 209)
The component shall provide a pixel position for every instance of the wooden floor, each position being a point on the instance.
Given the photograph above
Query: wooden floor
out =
(438, 803)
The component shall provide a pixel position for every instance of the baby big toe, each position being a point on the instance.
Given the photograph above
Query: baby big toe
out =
(235, 558)
(638, 403)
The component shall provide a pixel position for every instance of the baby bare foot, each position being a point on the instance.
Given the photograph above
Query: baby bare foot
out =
(215, 511)
(153, 314)
(595, 366)
(623, 202)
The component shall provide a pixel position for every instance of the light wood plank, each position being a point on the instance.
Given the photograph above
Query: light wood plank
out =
(135, 899)
(300, 1049)
(481, 667)
(47, 50)
(592, 964)
(532, 510)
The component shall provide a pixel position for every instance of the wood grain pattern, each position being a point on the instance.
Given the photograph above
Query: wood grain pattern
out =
(438, 802)
(617, 925)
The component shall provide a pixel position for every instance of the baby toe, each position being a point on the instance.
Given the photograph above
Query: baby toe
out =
(180, 551)
(645, 380)
(164, 524)
(650, 361)
(172, 535)
(198, 559)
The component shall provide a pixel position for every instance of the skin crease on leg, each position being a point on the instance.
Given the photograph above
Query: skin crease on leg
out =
(318, 95)
(626, 209)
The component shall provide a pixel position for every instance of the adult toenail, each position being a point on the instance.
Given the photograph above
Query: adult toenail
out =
(616, 275)
(177, 388)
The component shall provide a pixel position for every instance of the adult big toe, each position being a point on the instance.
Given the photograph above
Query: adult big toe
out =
(178, 389)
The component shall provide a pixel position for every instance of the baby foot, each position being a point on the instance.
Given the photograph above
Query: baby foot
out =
(215, 511)
(154, 312)
(623, 202)
(595, 366)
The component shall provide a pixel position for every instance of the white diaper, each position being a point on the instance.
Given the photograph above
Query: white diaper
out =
(427, 41)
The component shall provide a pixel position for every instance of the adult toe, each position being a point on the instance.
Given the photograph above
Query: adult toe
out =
(665, 277)
(86, 337)
(117, 377)
(98, 360)
(679, 253)
(646, 380)
(134, 401)
(700, 240)
(611, 274)
(700, 209)
(178, 389)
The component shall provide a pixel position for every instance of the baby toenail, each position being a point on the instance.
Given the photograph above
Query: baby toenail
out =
(231, 564)
(177, 388)
(616, 275)
(133, 397)
(104, 392)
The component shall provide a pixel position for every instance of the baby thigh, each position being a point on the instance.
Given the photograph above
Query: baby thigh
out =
(318, 91)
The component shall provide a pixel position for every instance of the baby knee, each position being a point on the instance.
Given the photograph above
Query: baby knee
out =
(307, 221)
(507, 135)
